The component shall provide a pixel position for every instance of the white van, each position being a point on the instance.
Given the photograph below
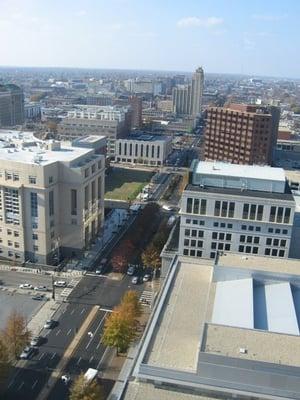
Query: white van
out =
(90, 374)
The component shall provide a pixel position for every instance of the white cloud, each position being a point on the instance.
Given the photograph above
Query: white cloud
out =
(209, 22)
(266, 17)
(81, 13)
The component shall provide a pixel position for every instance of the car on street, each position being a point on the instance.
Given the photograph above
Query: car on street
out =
(27, 353)
(39, 297)
(35, 341)
(66, 379)
(146, 277)
(41, 288)
(25, 286)
(60, 283)
(49, 324)
(135, 280)
(130, 270)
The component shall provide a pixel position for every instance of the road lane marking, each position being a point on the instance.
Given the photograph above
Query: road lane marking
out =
(42, 355)
(47, 333)
(72, 312)
(58, 332)
(79, 359)
(21, 385)
(82, 311)
(34, 385)
(106, 310)
(69, 331)
(98, 345)
(90, 341)
(53, 355)
(11, 383)
(91, 359)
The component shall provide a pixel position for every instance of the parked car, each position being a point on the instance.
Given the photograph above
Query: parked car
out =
(36, 341)
(146, 277)
(135, 280)
(25, 286)
(27, 353)
(49, 324)
(41, 288)
(130, 270)
(60, 283)
(39, 297)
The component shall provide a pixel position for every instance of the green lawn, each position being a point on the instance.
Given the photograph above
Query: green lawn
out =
(125, 184)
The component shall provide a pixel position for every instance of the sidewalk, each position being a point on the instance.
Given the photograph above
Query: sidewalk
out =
(46, 311)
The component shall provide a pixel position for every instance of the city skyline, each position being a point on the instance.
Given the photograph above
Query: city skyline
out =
(250, 39)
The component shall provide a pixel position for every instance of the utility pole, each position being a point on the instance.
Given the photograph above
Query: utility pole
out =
(53, 288)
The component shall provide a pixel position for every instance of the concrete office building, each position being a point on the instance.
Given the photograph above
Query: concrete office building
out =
(224, 330)
(51, 196)
(240, 209)
(181, 96)
(109, 121)
(11, 105)
(143, 149)
(241, 134)
(197, 91)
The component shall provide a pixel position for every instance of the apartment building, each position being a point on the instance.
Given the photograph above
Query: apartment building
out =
(51, 197)
(143, 149)
(11, 105)
(109, 121)
(241, 134)
(240, 209)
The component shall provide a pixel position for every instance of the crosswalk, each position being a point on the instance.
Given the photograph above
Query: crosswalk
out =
(71, 285)
(146, 298)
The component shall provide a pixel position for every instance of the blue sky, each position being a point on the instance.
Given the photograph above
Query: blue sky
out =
(230, 36)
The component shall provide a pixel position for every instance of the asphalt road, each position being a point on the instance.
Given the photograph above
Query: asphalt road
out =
(30, 376)
(89, 354)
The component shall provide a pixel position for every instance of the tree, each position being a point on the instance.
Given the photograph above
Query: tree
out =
(151, 257)
(4, 364)
(122, 255)
(119, 330)
(83, 390)
(130, 303)
(16, 334)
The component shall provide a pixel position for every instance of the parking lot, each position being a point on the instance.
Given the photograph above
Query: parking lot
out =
(21, 303)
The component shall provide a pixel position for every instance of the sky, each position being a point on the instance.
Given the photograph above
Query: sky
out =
(257, 37)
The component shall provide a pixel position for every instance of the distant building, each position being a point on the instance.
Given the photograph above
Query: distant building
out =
(240, 209)
(135, 103)
(112, 122)
(11, 105)
(99, 100)
(32, 111)
(143, 149)
(187, 99)
(241, 134)
(165, 105)
(51, 196)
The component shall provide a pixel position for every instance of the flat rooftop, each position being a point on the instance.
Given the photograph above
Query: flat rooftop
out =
(145, 137)
(245, 171)
(182, 324)
(287, 195)
(24, 147)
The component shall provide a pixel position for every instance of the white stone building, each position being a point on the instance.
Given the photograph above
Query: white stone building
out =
(51, 197)
(143, 149)
(235, 208)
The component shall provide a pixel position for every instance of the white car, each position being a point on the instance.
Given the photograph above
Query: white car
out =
(41, 288)
(60, 283)
(27, 353)
(66, 379)
(25, 286)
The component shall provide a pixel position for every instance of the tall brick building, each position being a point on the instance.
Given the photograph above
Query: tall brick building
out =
(241, 134)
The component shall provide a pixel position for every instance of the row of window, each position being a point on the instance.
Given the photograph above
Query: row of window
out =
(193, 243)
(248, 249)
(222, 225)
(224, 209)
(31, 179)
(192, 253)
(274, 252)
(221, 236)
(249, 239)
(193, 233)
(195, 221)
(92, 170)
(11, 254)
(128, 150)
(251, 228)
(276, 242)
(196, 206)
(220, 246)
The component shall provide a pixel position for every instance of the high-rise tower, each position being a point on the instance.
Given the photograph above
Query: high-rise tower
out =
(197, 91)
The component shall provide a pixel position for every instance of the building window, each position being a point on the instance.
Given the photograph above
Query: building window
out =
(9, 231)
(9, 243)
(17, 245)
(187, 232)
(248, 249)
(34, 236)
(222, 225)
(284, 231)
(194, 233)
(86, 172)
(260, 211)
(193, 243)
(186, 242)
(251, 228)
(216, 224)
(281, 253)
(185, 252)
(215, 235)
(51, 203)
(245, 211)
(257, 228)
(34, 225)
(221, 236)
(252, 211)
(279, 214)
(287, 215)
(203, 207)
(189, 205)
(231, 210)
(242, 238)
(228, 236)
(93, 168)
(270, 230)
(15, 177)
(199, 253)
(217, 208)
(272, 214)
(244, 227)
(212, 254)
(192, 253)
(275, 242)
(99, 188)
(224, 209)
(32, 180)
(188, 221)
(35, 248)
(50, 179)
(73, 202)
(227, 246)
(256, 240)
(196, 206)
(255, 250)
(16, 234)
(200, 234)
(86, 197)
(229, 226)
(274, 252)
(269, 241)
(200, 243)
(34, 204)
